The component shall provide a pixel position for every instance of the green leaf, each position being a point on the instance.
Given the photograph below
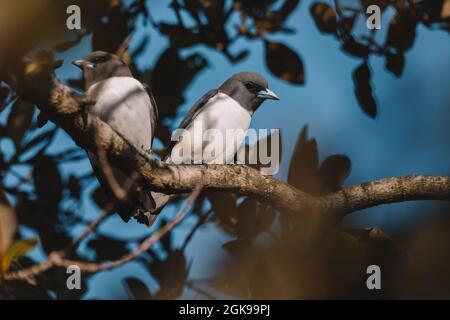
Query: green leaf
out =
(17, 250)
(8, 225)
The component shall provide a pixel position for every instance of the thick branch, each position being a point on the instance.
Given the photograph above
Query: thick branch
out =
(385, 191)
(65, 108)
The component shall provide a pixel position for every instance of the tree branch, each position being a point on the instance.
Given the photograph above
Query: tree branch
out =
(65, 108)
(58, 259)
(383, 191)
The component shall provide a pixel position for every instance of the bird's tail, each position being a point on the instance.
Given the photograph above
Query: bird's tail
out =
(138, 203)
(161, 200)
(144, 213)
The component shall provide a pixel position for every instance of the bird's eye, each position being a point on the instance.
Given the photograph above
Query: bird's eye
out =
(99, 59)
(253, 87)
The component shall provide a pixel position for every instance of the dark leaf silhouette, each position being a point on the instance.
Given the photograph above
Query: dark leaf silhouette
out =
(363, 90)
(380, 3)
(181, 37)
(395, 63)
(254, 218)
(48, 184)
(324, 16)
(19, 120)
(288, 7)
(169, 91)
(399, 5)
(304, 164)
(107, 249)
(334, 170)
(117, 24)
(355, 48)
(4, 92)
(273, 21)
(402, 31)
(171, 274)
(284, 62)
(137, 289)
(225, 210)
(74, 187)
(99, 197)
(305, 173)
(347, 23)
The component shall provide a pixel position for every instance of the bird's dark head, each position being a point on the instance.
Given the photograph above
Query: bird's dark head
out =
(249, 89)
(100, 65)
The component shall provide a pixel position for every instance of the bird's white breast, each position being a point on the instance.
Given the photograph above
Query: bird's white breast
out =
(228, 118)
(124, 104)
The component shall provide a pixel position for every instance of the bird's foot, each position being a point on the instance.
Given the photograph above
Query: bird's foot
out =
(148, 151)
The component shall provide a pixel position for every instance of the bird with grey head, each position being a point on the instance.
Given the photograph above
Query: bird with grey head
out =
(127, 107)
(230, 107)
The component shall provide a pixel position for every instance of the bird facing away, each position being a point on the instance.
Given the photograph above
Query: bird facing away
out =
(231, 106)
(128, 108)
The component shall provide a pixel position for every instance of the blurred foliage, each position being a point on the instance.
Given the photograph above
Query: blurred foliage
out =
(360, 42)
(273, 254)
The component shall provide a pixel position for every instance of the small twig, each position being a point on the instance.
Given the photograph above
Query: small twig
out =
(90, 228)
(338, 9)
(176, 8)
(119, 193)
(351, 9)
(57, 259)
(199, 223)
(145, 245)
(103, 215)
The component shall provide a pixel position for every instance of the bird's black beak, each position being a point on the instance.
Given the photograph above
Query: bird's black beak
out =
(267, 94)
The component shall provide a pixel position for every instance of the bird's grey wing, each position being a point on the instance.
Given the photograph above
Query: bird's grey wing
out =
(153, 110)
(197, 108)
(193, 113)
